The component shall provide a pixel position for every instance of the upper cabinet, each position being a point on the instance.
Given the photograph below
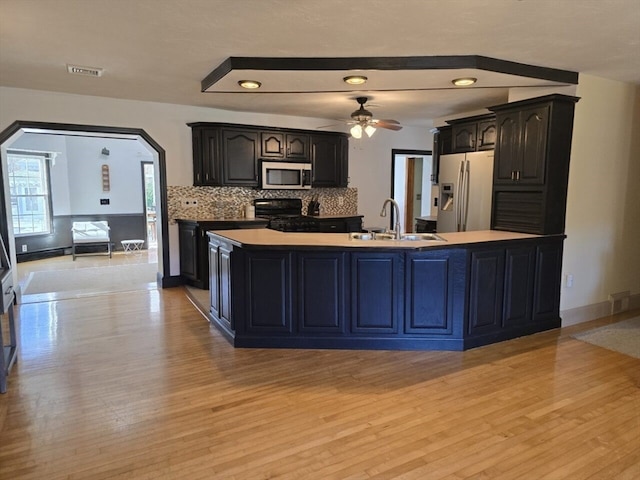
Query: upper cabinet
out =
(285, 146)
(531, 164)
(329, 160)
(522, 145)
(473, 134)
(229, 154)
(239, 157)
(207, 168)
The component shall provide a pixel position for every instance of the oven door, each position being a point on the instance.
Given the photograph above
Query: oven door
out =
(286, 176)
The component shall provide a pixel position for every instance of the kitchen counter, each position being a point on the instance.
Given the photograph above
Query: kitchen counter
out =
(260, 238)
(271, 289)
(240, 220)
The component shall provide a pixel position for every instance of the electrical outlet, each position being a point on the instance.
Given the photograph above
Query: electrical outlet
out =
(24, 248)
(569, 280)
(189, 202)
(340, 201)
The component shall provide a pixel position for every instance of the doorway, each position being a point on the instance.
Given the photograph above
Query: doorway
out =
(149, 202)
(18, 128)
(411, 186)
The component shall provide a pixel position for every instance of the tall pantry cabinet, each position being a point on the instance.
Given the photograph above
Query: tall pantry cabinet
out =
(531, 164)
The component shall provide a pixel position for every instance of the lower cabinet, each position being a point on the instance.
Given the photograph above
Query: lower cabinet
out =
(322, 293)
(435, 298)
(486, 286)
(548, 278)
(220, 284)
(514, 290)
(519, 276)
(376, 292)
(268, 298)
(433, 283)
(194, 257)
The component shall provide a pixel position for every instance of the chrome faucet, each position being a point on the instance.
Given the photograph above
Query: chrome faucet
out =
(383, 213)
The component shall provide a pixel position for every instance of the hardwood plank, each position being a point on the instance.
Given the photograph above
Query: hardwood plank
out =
(139, 386)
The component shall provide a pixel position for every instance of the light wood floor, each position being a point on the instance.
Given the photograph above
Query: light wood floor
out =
(139, 386)
(64, 266)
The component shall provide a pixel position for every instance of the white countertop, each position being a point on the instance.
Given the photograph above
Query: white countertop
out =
(267, 237)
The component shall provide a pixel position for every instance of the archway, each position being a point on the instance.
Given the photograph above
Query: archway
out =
(19, 127)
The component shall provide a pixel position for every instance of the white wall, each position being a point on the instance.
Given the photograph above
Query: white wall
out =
(76, 177)
(125, 173)
(370, 165)
(602, 249)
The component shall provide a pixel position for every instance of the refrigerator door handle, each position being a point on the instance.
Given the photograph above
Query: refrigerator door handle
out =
(459, 195)
(465, 205)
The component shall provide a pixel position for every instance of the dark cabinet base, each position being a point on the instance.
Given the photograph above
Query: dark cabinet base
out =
(451, 298)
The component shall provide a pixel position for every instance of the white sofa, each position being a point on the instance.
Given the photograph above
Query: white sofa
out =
(90, 233)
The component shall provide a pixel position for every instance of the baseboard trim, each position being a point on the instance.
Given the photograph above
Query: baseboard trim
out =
(170, 281)
(586, 313)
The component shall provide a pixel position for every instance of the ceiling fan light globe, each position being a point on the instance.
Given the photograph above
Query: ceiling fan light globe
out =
(356, 131)
(370, 130)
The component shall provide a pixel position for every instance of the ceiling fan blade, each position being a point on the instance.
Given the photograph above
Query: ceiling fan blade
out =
(390, 125)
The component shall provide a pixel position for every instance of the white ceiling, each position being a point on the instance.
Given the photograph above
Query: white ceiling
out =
(161, 50)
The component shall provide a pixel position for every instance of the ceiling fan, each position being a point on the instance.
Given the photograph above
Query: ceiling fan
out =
(362, 120)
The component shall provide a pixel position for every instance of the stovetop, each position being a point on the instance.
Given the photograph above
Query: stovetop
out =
(284, 214)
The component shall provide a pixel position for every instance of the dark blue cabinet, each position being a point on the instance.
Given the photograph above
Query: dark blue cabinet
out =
(322, 292)
(268, 294)
(518, 286)
(486, 291)
(450, 298)
(429, 301)
(546, 296)
(377, 292)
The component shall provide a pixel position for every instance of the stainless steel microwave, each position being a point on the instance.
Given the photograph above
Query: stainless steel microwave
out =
(285, 176)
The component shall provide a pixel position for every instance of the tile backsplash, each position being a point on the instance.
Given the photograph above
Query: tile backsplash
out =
(229, 202)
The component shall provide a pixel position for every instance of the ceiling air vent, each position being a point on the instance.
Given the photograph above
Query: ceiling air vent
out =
(86, 71)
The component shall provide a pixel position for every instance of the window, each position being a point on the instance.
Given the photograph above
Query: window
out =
(30, 197)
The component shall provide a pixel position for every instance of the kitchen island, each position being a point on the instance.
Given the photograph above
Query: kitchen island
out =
(273, 289)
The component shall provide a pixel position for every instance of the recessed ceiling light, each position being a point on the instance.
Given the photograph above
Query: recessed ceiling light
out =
(88, 71)
(250, 84)
(464, 82)
(355, 79)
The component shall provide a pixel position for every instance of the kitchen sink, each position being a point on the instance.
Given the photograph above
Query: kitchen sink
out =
(361, 236)
(371, 236)
(390, 236)
(422, 236)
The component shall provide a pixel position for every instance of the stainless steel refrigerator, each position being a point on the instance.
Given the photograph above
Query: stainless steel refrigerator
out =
(465, 181)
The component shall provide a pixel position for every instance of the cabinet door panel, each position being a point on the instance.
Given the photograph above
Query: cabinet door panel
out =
(189, 251)
(240, 150)
(486, 136)
(428, 277)
(329, 161)
(546, 299)
(486, 291)
(224, 266)
(297, 146)
(464, 138)
(518, 211)
(214, 283)
(507, 148)
(518, 286)
(376, 298)
(322, 292)
(269, 292)
(271, 145)
(533, 145)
